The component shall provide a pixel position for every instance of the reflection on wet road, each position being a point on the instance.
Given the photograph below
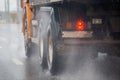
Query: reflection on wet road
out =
(15, 66)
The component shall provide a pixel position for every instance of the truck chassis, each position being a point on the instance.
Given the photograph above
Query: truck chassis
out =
(59, 23)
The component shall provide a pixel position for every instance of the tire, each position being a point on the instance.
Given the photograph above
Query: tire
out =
(28, 48)
(48, 57)
(27, 42)
(42, 50)
(46, 40)
(52, 56)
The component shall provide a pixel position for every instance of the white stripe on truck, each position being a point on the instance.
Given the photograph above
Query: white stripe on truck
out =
(77, 34)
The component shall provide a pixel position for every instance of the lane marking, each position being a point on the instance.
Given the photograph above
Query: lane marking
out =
(17, 62)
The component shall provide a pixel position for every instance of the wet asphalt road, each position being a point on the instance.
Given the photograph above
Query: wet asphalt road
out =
(14, 65)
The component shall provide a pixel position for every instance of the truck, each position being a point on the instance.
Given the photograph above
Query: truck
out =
(60, 23)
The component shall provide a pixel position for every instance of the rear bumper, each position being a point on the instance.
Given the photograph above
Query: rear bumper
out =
(80, 41)
(105, 46)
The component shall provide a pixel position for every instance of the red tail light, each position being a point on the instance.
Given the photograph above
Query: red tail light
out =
(80, 25)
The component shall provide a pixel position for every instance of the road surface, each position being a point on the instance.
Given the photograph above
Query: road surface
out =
(14, 65)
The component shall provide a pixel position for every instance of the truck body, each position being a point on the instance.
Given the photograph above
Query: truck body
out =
(74, 22)
(107, 13)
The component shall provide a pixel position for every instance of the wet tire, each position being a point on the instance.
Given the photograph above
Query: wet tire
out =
(46, 40)
(28, 48)
(52, 56)
(48, 57)
(42, 50)
(27, 42)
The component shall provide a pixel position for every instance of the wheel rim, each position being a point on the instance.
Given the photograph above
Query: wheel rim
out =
(41, 49)
(50, 53)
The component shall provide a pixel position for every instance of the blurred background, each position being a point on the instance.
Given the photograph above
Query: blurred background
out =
(10, 11)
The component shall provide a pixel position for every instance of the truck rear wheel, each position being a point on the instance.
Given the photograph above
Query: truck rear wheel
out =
(28, 48)
(46, 40)
(42, 50)
(52, 56)
(50, 52)
(48, 57)
(27, 42)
